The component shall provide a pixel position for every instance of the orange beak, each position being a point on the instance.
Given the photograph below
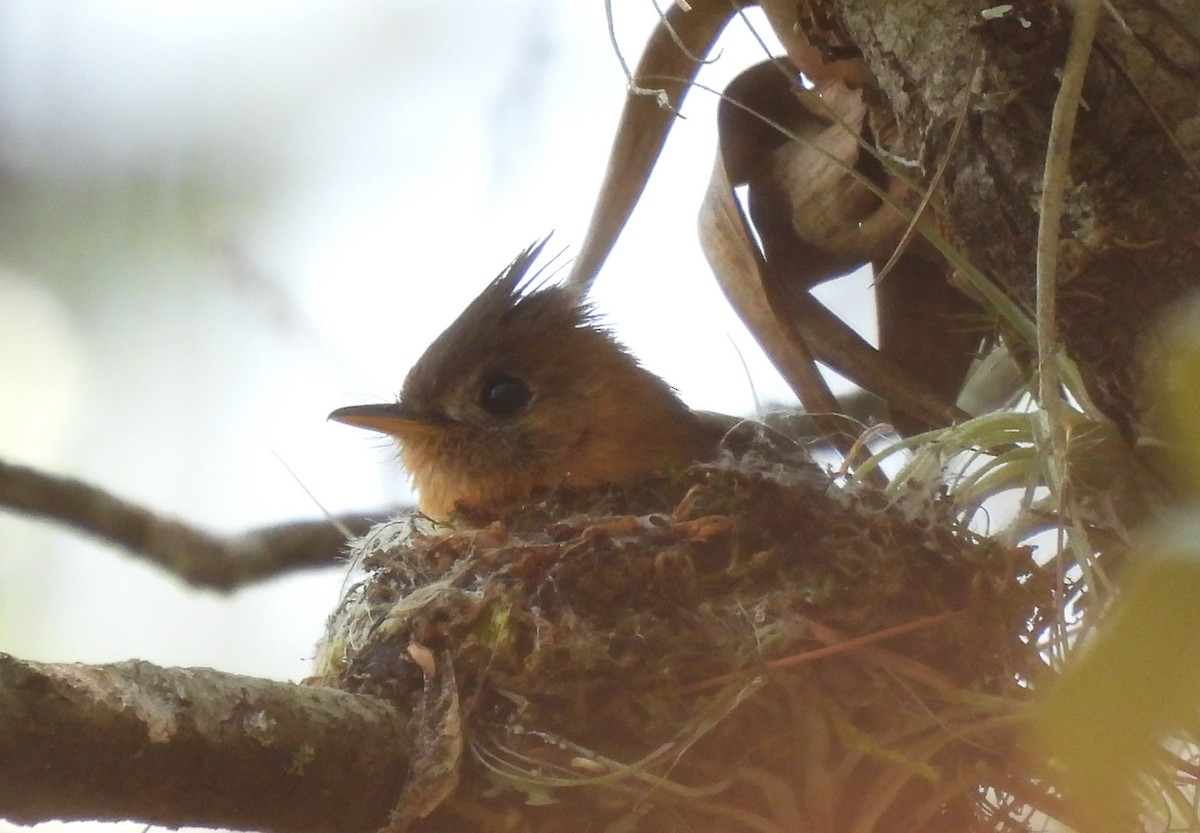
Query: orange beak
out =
(393, 419)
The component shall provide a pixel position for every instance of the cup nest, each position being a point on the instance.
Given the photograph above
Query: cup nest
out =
(744, 645)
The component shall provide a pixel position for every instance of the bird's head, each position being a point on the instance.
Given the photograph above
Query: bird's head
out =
(526, 391)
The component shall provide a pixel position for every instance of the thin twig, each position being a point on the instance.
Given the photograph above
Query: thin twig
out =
(200, 558)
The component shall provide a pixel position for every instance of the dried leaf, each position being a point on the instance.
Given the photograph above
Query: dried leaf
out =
(726, 240)
(670, 61)
(424, 659)
(817, 219)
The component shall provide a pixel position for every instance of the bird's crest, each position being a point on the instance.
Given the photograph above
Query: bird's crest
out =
(518, 314)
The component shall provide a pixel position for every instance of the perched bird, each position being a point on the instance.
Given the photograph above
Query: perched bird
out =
(526, 392)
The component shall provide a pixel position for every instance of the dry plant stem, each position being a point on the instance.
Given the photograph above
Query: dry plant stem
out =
(193, 746)
(198, 557)
(1054, 182)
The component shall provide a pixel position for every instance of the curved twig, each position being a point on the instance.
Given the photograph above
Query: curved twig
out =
(200, 558)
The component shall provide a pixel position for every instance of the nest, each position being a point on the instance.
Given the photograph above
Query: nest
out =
(741, 646)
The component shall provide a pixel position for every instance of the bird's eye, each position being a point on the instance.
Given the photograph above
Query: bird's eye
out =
(503, 395)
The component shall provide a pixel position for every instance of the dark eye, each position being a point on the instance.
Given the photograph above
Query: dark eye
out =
(503, 395)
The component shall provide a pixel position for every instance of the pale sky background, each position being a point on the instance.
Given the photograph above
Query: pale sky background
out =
(220, 220)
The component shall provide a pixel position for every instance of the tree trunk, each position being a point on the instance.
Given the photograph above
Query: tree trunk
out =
(1131, 224)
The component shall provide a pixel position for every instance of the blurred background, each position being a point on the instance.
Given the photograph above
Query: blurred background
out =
(220, 220)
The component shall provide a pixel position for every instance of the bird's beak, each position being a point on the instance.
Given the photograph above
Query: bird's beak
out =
(392, 419)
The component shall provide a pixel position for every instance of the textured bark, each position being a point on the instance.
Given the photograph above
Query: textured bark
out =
(1132, 221)
(193, 746)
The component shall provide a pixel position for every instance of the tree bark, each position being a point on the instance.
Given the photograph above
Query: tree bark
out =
(1131, 227)
(193, 746)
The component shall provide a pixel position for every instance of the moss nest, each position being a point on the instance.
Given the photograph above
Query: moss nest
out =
(740, 646)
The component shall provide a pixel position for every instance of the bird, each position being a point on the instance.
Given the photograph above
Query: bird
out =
(528, 391)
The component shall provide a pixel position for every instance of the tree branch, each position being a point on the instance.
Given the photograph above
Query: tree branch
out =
(176, 746)
(200, 558)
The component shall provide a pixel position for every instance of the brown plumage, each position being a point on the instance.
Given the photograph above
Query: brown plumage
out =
(524, 392)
